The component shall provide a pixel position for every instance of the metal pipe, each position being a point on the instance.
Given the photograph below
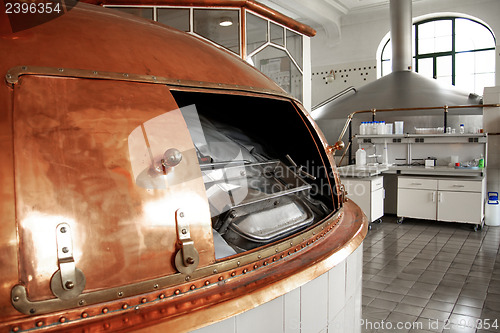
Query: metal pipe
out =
(350, 141)
(351, 115)
(334, 97)
(401, 26)
(445, 117)
(343, 155)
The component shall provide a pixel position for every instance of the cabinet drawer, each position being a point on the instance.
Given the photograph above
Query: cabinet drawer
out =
(377, 183)
(460, 185)
(418, 183)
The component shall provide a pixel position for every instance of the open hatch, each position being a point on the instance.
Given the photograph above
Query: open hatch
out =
(263, 172)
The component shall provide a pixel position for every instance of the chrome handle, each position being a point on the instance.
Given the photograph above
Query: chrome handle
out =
(416, 184)
(433, 196)
(440, 197)
(455, 185)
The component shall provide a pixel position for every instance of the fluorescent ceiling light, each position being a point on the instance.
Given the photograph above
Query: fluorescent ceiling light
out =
(226, 22)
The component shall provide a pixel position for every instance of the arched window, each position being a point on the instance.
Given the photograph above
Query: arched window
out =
(454, 50)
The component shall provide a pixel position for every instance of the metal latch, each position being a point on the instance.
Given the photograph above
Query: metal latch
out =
(68, 281)
(187, 258)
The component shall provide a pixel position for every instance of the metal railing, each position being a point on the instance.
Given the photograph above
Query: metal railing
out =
(334, 97)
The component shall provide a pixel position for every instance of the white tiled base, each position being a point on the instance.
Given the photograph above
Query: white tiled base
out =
(329, 303)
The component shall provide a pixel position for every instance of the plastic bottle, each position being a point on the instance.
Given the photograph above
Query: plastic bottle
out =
(385, 156)
(381, 127)
(360, 157)
(462, 128)
(481, 162)
(362, 128)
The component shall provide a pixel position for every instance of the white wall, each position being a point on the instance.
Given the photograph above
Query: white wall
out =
(362, 31)
(329, 303)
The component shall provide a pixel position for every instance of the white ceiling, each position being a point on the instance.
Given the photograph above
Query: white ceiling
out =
(323, 14)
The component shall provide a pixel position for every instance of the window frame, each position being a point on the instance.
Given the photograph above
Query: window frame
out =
(435, 55)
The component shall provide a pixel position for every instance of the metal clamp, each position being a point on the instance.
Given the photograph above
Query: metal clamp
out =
(187, 258)
(68, 281)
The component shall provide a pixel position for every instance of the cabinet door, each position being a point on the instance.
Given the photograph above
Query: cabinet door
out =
(460, 207)
(359, 192)
(377, 204)
(420, 204)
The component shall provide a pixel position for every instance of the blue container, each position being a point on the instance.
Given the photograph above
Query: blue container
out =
(492, 210)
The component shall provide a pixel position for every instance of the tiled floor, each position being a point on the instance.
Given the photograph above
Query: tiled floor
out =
(424, 276)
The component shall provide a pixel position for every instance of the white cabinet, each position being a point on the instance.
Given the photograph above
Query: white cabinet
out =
(442, 199)
(368, 193)
(419, 204)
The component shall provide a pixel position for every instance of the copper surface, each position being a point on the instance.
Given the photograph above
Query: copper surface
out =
(197, 302)
(77, 148)
(73, 166)
(13, 75)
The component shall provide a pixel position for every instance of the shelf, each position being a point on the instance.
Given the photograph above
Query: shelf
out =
(422, 138)
(466, 135)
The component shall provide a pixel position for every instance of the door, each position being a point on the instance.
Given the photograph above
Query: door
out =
(420, 204)
(88, 157)
(377, 204)
(460, 207)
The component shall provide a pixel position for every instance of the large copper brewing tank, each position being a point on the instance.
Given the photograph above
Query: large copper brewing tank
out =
(107, 222)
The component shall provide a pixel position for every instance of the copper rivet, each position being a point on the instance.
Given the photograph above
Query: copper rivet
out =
(259, 256)
(120, 294)
(156, 286)
(276, 250)
(220, 278)
(39, 324)
(15, 329)
(62, 319)
(162, 296)
(85, 315)
(193, 287)
(282, 256)
(238, 263)
(255, 266)
(125, 320)
(106, 326)
(188, 278)
(207, 283)
(245, 271)
(144, 300)
(289, 253)
(274, 259)
(265, 263)
(233, 273)
(177, 292)
(291, 243)
(105, 310)
(124, 306)
(215, 271)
